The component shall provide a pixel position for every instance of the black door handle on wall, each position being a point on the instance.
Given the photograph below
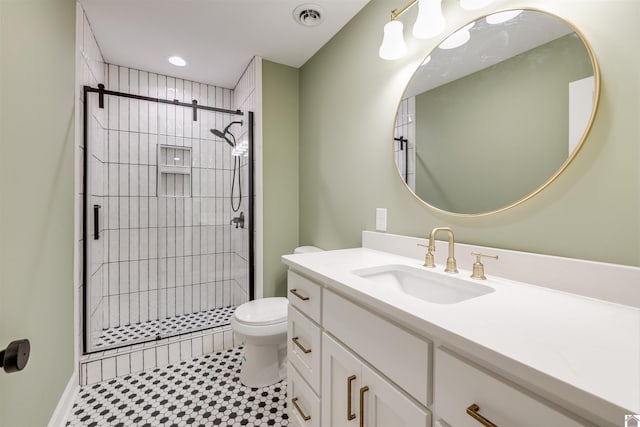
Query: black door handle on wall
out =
(15, 357)
(96, 222)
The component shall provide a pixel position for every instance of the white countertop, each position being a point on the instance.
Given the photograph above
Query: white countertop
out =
(545, 337)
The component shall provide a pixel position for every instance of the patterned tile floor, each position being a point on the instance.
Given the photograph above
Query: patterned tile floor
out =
(205, 391)
(166, 327)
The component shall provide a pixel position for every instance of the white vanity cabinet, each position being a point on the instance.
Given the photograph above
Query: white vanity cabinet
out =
(323, 370)
(462, 390)
(355, 395)
(303, 351)
(365, 370)
(303, 404)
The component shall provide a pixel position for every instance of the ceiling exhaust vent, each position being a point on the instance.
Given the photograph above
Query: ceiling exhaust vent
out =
(308, 15)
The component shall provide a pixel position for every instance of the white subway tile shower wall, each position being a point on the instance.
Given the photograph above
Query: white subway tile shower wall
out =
(165, 256)
(160, 248)
(244, 101)
(92, 71)
(203, 261)
(405, 127)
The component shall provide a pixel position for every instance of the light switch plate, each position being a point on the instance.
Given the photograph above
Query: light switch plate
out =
(381, 219)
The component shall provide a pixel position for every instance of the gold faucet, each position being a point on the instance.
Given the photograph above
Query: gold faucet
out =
(451, 260)
(478, 267)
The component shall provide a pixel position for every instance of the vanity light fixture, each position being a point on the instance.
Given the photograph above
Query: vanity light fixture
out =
(177, 61)
(429, 23)
(393, 45)
(458, 38)
(500, 17)
(474, 4)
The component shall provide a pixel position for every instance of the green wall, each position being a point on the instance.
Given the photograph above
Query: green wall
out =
(280, 171)
(348, 101)
(37, 77)
(489, 139)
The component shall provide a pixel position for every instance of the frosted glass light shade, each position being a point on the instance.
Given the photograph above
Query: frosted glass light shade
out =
(430, 21)
(458, 38)
(500, 17)
(393, 45)
(474, 4)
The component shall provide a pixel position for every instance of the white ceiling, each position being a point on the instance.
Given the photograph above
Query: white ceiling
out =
(217, 38)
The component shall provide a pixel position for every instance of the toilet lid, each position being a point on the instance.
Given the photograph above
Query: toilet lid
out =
(264, 311)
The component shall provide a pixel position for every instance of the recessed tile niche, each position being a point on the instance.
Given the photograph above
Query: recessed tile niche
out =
(174, 171)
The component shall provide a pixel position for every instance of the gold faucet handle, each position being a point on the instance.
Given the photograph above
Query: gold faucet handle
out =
(429, 259)
(478, 267)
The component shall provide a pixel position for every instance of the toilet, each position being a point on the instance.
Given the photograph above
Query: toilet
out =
(262, 325)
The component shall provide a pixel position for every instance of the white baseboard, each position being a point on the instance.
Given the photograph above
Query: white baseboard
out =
(63, 409)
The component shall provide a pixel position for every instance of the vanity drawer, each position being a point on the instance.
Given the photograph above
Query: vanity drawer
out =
(303, 347)
(458, 386)
(404, 358)
(302, 403)
(304, 295)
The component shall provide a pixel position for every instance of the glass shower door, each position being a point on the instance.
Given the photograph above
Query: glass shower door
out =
(163, 256)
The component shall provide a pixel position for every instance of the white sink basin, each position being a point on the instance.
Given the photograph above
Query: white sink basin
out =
(424, 284)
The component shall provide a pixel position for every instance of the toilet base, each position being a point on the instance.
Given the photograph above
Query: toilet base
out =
(263, 365)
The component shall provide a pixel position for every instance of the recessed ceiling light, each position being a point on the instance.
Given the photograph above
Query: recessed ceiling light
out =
(308, 15)
(177, 61)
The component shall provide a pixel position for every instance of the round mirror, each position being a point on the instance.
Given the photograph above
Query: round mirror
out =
(486, 124)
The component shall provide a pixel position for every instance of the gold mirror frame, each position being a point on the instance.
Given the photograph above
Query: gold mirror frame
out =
(567, 162)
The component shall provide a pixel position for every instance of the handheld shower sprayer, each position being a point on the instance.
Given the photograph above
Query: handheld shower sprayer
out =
(236, 165)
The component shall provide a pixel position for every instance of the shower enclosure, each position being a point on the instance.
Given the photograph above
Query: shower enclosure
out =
(164, 251)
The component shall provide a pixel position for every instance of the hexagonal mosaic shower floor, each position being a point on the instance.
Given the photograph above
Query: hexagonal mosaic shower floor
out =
(146, 331)
(205, 391)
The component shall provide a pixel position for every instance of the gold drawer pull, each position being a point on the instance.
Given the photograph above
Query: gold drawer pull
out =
(296, 342)
(473, 412)
(363, 390)
(302, 297)
(350, 416)
(295, 405)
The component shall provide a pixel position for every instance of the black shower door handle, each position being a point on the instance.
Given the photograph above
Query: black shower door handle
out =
(96, 222)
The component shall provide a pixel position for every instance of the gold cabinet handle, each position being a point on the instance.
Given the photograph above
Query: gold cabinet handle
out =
(295, 405)
(350, 416)
(297, 342)
(302, 297)
(473, 412)
(363, 390)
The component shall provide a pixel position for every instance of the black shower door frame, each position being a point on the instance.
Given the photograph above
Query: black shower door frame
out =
(86, 233)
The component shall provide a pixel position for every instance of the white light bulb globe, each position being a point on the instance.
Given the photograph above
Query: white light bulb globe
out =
(393, 45)
(430, 21)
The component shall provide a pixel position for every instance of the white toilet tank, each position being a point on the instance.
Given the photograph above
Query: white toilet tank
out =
(306, 249)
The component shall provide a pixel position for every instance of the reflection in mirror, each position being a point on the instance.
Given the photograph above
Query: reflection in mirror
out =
(483, 126)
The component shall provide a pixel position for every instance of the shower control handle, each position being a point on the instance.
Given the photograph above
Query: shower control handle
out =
(238, 220)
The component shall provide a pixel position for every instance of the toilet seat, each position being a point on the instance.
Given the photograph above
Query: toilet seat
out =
(262, 312)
